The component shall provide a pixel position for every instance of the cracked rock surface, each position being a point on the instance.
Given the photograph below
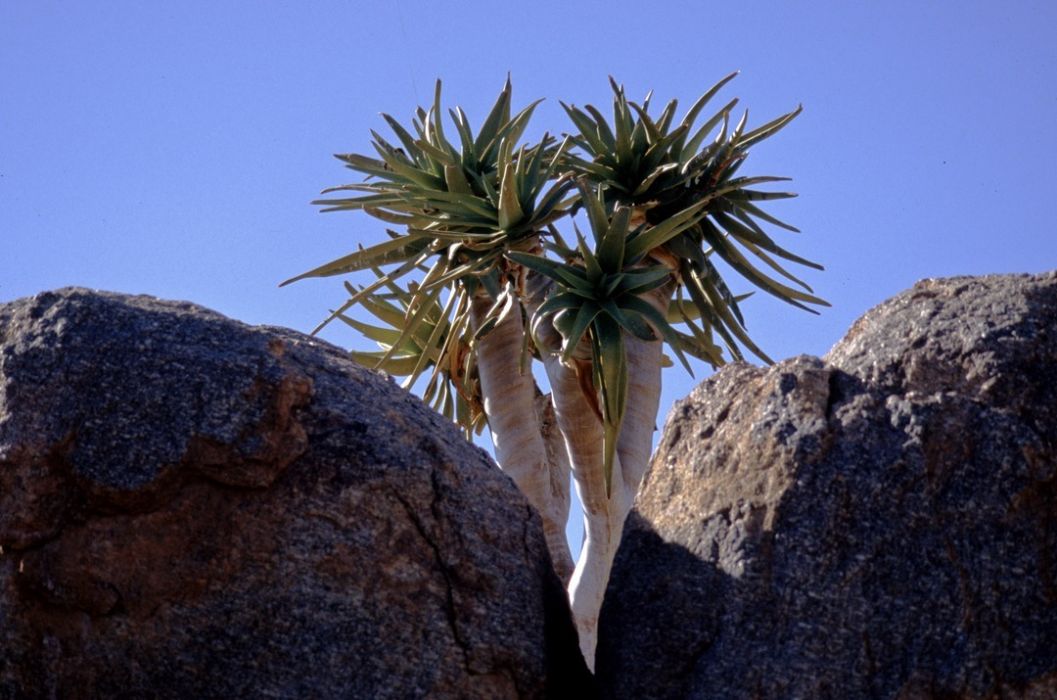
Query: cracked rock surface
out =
(878, 523)
(191, 507)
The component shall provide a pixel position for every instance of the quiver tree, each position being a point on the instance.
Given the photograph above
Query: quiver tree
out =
(476, 283)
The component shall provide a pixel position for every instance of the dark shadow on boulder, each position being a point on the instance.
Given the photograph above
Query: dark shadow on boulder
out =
(671, 587)
(881, 524)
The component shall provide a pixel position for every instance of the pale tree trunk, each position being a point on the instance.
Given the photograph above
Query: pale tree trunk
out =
(644, 361)
(603, 514)
(635, 444)
(559, 470)
(581, 429)
(510, 405)
(580, 423)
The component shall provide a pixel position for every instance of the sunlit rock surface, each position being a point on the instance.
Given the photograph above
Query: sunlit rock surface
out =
(194, 508)
(879, 523)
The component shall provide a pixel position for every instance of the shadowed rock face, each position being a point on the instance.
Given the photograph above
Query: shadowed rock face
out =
(190, 507)
(878, 524)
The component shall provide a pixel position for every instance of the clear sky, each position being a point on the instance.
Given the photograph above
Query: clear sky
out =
(172, 148)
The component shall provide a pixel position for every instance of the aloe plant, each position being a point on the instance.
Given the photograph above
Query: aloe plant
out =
(441, 341)
(460, 208)
(476, 282)
(658, 170)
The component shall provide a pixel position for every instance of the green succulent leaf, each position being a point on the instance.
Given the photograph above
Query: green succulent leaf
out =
(392, 250)
(606, 136)
(588, 129)
(656, 236)
(641, 280)
(768, 129)
(573, 324)
(571, 276)
(656, 318)
(688, 151)
(397, 366)
(499, 115)
(387, 337)
(612, 246)
(592, 268)
(510, 213)
(559, 302)
(755, 211)
(629, 319)
(609, 361)
(695, 109)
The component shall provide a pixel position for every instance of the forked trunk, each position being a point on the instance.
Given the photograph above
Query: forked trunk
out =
(603, 515)
(581, 429)
(510, 404)
(581, 426)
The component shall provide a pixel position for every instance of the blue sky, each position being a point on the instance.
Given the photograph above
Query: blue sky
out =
(172, 149)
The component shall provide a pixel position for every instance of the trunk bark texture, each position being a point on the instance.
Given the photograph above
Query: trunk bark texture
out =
(520, 448)
(635, 445)
(578, 419)
(559, 470)
(603, 515)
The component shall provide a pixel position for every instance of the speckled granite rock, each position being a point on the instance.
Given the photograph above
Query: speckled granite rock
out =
(878, 524)
(190, 507)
